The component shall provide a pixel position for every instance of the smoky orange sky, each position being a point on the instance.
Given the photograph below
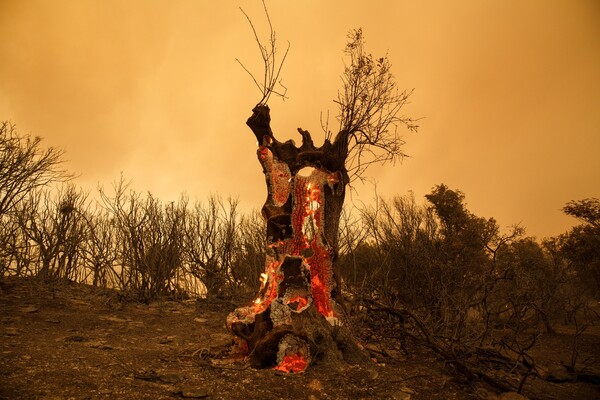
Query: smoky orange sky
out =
(509, 93)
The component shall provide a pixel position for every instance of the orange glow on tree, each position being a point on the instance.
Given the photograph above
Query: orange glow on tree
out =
(306, 188)
(299, 298)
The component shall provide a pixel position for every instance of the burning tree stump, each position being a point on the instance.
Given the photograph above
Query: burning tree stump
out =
(298, 315)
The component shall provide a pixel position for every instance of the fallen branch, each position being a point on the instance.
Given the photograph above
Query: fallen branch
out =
(424, 337)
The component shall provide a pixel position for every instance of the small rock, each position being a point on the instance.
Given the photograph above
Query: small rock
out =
(201, 320)
(105, 391)
(170, 378)
(29, 309)
(146, 375)
(225, 361)
(100, 345)
(167, 340)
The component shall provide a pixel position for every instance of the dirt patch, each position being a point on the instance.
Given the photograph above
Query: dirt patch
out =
(72, 341)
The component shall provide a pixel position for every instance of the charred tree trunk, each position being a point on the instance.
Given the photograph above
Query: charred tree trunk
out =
(298, 315)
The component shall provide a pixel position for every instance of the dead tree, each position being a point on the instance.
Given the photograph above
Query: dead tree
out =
(298, 314)
(25, 166)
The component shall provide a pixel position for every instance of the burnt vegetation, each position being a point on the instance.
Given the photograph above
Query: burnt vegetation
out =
(409, 274)
(414, 274)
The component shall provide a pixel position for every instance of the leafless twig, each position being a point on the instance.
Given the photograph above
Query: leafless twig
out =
(272, 67)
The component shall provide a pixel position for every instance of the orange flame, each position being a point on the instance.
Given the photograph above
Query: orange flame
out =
(294, 363)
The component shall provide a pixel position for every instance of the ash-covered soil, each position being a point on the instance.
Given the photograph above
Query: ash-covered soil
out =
(73, 341)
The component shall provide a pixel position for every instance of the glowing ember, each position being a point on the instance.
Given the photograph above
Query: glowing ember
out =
(321, 296)
(294, 363)
(263, 278)
(260, 305)
(278, 175)
(300, 301)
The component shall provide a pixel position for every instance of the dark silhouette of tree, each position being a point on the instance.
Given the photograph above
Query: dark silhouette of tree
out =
(24, 166)
(298, 315)
(586, 210)
(369, 106)
(210, 243)
(149, 235)
(53, 223)
(581, 245)
(534, 286)
(449, 280)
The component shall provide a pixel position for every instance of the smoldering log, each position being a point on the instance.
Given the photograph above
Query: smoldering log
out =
(297, 317)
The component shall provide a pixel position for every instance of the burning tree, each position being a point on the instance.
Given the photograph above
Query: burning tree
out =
(298, 314)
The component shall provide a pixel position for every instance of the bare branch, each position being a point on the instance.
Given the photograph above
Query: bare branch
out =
(252, 76)
(25, 166)
(272, 67)
(369, 109)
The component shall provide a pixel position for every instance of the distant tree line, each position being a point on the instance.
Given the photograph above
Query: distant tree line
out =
(124, 240)
(428, 271)
(436, 273)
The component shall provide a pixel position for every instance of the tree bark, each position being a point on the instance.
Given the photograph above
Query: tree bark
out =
(298, 315)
